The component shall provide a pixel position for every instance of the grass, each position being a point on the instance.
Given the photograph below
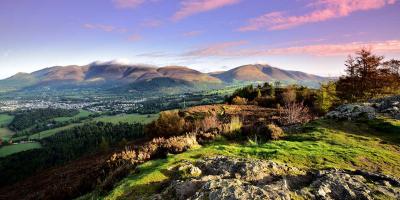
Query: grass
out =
(46, 133)
(5, 119)
(82, 113)
(15, 148)
(5, 133)
(128, 118)
(322, 144)
(51, 132)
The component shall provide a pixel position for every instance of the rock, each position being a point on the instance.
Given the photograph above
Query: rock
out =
(352, 112)
(242, 179)
(389, 106)
(187, 170)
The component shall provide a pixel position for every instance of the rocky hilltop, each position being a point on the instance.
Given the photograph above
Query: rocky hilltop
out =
(222, 177)
(389, 106)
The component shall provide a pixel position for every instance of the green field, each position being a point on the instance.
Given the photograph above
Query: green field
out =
(128, 118)
(15, 148)
(82, 113)
(51, 132)
(5, 119)
(320, 145)
(5, 133)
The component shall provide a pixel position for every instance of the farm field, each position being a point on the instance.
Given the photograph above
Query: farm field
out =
(127, 118)
(15, 148)
(82, 113)
(51, 132)
(5, 133)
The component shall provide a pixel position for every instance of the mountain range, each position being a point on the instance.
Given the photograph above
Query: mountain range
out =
(116, 75)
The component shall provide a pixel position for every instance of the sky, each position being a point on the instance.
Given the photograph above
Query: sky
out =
(313, 36)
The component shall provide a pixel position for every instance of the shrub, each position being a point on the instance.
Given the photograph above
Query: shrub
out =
(289, 95)
(207, 124)
(268, 102)
(239, 101)
(179, 144)
(294, 113)
(233, 128)
(169, 123)
(274, 132)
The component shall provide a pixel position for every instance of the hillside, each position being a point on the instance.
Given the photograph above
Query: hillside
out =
(264, 73)
(108, 75)
(334, 148)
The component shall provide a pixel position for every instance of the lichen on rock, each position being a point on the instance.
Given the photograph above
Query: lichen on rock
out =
(238, 178)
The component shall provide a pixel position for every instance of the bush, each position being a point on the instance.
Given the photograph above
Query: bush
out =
(239, 101)
(294, 113)
(268, 102)
(232, 129)
(208, 123)
(274, 132)
(169, 123)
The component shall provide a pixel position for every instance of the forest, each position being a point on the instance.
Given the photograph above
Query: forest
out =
(66, 146)
(28, 118)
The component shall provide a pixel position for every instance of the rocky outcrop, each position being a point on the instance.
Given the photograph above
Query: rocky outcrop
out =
(231, 178)
(389, 106)
(352, 112)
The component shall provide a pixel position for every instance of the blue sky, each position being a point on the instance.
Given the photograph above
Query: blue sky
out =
(208, 35)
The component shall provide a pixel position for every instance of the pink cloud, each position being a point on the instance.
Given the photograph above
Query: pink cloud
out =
(192, 33)
(219, 49)
(234, 49)
(134, 37)
(104, 27)
(127, 3)
(192, 7)
(151, 23)
(324, 10)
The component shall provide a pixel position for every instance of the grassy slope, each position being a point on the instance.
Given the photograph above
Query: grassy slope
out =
(5, 133)
(129, 118)
(82, 113)
(322, 144)
(15, 148)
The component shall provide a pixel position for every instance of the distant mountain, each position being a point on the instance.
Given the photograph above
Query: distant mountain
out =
(125, 77)
(265, 73)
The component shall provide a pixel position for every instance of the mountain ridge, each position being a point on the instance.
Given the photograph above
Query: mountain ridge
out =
(117, 74)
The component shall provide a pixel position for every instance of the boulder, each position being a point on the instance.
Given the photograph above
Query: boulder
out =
(353, 112)
(244, 179)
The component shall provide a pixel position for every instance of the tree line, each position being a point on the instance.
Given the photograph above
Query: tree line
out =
(27, 118)
(367, 76)
(66, 146)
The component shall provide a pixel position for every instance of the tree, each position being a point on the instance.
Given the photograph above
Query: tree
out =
(104, 146)
(259, 93)
(239, 101)
(326, 96)
(367, 76)
(272, 91)
(289, 95)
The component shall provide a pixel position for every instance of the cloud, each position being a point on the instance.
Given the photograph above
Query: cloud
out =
(127, 3)
(134, 37)
(192, 33)
(104, 27)
(234, 49)
(192, 7)
(219, 49)
(151, 23)
(324, 10)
